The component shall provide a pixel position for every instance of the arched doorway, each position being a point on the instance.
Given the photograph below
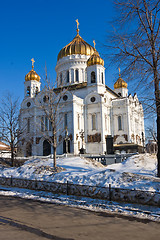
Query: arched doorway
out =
(28, 149)
(64, 147)
(46, 148)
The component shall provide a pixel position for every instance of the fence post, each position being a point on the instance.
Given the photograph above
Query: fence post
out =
(67, 188)
(110, 193)
(11, 180)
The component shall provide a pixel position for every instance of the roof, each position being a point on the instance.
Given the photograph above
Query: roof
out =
(4, 146)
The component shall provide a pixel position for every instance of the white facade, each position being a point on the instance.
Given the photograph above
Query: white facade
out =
(88, 106)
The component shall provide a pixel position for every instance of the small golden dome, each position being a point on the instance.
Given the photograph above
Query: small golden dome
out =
(120, 83)
(76, 46)
(95, 59)
(32, 75)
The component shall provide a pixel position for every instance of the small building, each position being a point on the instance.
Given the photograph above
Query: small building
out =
(5, 150)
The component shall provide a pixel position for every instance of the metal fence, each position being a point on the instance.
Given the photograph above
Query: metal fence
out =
(109, 193)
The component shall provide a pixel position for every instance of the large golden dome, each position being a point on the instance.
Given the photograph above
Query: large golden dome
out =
(32, 75)
(76, 46)
(120, 83)
(95, 59)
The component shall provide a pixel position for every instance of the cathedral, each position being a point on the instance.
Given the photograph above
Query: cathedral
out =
(95, 118)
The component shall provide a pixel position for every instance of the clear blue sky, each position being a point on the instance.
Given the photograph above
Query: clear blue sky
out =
(40, 29)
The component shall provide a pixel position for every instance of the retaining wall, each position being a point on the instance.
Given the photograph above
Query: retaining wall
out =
(108, 193)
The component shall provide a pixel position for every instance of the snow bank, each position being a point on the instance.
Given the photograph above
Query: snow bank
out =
(137, 172)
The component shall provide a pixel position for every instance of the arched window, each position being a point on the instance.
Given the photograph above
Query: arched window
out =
(28, 91)
(102, 77)
(77, 75)
(67, 76)
(61, 78)
(36, 91)
(119, 122)
(28, 125)
(93, 122)
(93, 77)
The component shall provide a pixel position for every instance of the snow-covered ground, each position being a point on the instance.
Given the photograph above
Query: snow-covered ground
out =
(137, 172)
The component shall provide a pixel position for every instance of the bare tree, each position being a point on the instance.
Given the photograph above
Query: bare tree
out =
(136, 44)
(9, 122)
(52, 114)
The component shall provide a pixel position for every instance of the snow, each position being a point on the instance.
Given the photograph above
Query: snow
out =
(136, 172)
(133, 210)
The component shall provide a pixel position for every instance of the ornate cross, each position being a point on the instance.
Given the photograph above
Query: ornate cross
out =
(77, 23)
(32, 60)
(119, 71)
(94, 44)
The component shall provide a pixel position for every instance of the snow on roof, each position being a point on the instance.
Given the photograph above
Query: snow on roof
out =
(4, 146)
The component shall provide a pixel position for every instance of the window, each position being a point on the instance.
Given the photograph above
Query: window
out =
(67, 76)
(50, 126)
(36, 91)
(77, 75)
(46, 123)
(65, 120)
(28, 125)
(102, 77)
(93, 77)
(45, 99)
(78, 122)
(119, 122)
(42, 124)
(61, 78)
(28, 91)
(93, 122)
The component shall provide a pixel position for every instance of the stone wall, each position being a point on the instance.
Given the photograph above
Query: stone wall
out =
(108, 193)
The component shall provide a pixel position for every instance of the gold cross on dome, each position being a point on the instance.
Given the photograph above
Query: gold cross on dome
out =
(94, 44)
(77, 23)
(32, 60)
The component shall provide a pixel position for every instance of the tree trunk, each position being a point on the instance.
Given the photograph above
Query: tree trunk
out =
(12, 156)
(54, 157)
(158, 144)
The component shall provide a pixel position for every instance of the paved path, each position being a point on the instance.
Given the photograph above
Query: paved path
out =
(22, 219)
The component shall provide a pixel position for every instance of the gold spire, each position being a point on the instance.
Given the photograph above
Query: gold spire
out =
(77, 26)
(94, 44)
(32, 75)
(32, 60)
(120, 83)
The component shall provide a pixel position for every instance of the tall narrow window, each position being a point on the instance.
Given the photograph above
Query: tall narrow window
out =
(93, 122)
(93, 77)
(119, 122)
(36, 91)
(61, 78)
(42, 124)
(28, 125)
(65, 120)
(77, 75)
(50, 126)
(67, 76)
(28, 91)
(102, 77)
(78, 122)
(46, 123)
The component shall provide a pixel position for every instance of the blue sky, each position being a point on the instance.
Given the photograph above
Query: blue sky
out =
(40, 29)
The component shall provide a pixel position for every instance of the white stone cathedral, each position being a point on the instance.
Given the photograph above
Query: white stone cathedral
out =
(108, 119)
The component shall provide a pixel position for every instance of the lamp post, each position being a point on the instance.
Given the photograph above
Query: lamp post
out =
(82, 150)
(66, 139)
